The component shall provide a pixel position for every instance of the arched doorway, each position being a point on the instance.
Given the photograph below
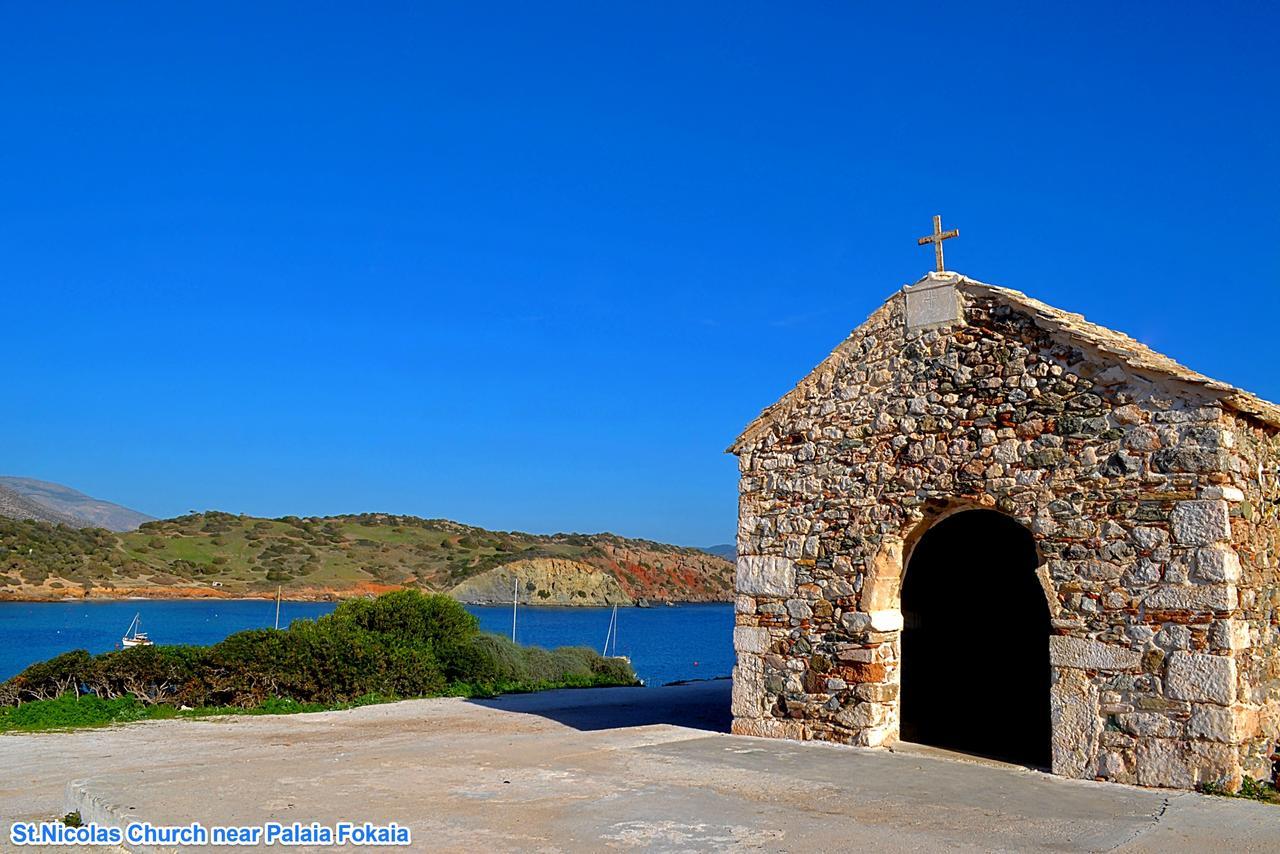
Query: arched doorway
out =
(975, 642)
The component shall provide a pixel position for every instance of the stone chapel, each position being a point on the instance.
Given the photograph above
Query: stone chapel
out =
(987, 524)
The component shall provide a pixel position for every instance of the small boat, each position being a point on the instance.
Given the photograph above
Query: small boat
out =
(133, 637)
(612, 635)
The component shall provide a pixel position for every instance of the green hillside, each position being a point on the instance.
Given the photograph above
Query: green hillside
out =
(320, 556)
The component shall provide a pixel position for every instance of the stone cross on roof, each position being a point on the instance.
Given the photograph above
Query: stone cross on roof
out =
(936, 239)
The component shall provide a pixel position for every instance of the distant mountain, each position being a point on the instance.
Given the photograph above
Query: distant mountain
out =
(727, 551)
(52, 502)
(15, 505)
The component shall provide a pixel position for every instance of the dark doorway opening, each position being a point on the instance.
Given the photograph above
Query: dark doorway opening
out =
(975, 642)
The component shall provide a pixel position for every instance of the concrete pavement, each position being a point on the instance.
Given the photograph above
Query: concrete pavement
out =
(627, 769)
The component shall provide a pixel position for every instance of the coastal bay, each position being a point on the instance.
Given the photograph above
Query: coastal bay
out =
(665, 644)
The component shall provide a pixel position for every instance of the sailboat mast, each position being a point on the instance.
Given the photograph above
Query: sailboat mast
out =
(515, 595)
(613, 632)
(278, 589)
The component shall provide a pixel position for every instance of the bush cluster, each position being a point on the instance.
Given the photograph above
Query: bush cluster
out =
(402, 644)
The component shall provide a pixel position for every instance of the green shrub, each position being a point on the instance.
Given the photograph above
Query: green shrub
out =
(245, 669)
(1250, 789)
(493, 663)
(493, 659)
(612, 671)
(150, 674)
(409, 616)
(45, 680)
(402, 644)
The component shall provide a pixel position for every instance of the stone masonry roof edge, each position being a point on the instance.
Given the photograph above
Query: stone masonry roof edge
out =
(1106, 344)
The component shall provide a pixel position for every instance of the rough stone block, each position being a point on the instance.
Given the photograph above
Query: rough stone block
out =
(877, 692)
(1256, 721)
(1073, 704)
(886, 621)
(1217, 563)
(1174, 636)
(1214, 762)
(1215, 723)
(750, 640)
(748, 689)
(799, 609)
(1189, 458)
(1229, 634)
(877, 736)
(869, 672)
(1201, 678)
(1226, 493)
(863, 655)
(1088, 654)
(768, 728)
(1147, 538)
(1148, 724)
(1163, 762)
(762, 575)
(1142, 438)
(855, 621)
(864, 715)
(883, 583)
(1112, 766)
(1201, 523)
(1162, 704)
(1196, 597)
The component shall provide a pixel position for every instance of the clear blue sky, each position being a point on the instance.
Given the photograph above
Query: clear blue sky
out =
(533, 266)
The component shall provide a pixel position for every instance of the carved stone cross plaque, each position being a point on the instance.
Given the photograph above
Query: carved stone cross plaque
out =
(932, 302)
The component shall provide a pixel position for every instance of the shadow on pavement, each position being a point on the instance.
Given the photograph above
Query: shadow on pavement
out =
(697, 705)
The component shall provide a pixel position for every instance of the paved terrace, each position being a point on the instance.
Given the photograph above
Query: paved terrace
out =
(626, 769)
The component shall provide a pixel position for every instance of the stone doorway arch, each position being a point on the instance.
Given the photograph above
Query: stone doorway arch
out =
(975, 665)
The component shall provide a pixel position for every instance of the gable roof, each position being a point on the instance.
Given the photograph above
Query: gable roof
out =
(1106, 344)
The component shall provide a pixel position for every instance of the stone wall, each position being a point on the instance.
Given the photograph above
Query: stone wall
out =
(1129, 484)
(1255, 527)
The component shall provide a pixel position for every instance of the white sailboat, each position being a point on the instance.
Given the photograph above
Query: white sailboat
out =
(133, 637)
(515, 598)
(612, 636)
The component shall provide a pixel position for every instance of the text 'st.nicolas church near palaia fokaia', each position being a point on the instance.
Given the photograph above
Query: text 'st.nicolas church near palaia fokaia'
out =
(987, 524)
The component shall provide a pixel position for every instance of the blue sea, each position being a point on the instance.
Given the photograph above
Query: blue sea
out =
(665, 644)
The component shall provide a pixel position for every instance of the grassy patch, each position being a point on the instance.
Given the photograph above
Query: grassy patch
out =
(1250, 789)
(69, 712)
(72, 712)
